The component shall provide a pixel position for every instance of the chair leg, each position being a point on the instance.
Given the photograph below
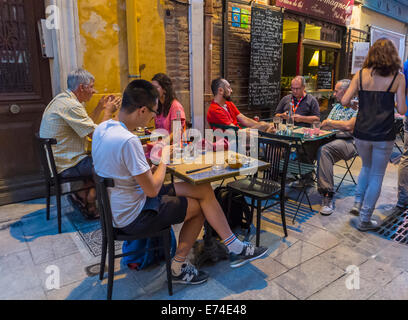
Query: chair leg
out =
(258, 221)
(103, 257)
(58, 195)
(48, 200)
(166, 242)
(282, 207)
(111, 268)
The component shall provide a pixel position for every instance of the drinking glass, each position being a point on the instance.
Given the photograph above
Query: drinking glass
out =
(290, 123)
(315, 128)
(276, 123)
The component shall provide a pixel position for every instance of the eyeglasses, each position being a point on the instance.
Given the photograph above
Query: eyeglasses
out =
(154, 111)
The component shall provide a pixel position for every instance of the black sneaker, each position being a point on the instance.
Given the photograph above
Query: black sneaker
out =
(249, 253)
(190, 275)
(396, 211)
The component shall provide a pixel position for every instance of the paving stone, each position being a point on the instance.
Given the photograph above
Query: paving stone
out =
(378, 272)
(317, 236)
(69, 268)
(18, 274)
(269, 267)
(88, 289)
(309, 277)
(52, 247)
(36, 293)
(395, 254)
(344, 256)
(271, 292)
(11, 241)
(210, 290)
(395, 290)
(38, 226)
(300, 252)
(338, 290)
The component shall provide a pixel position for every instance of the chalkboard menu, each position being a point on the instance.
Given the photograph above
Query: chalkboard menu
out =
(324, 77)
(266, 54)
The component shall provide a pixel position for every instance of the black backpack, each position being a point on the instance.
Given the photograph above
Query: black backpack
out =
(240, 215)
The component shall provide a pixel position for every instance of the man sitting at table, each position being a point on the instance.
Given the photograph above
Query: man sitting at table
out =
(66, 120)
(305, 107)
(343, 119)
(223, 111)
(118, 154)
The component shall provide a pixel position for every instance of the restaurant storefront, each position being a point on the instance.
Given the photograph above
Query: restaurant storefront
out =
(314, 45)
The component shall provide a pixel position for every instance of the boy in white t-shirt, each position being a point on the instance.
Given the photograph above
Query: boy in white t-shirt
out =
(118, 154)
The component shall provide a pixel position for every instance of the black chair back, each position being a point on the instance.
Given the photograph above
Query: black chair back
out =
(47, 157)
(104, 207)
(277, 154)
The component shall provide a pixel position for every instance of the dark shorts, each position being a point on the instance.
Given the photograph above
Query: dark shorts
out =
(170, 209)
(81, 169)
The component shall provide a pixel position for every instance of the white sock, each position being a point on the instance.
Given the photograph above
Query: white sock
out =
(176, 264)
(233, 244)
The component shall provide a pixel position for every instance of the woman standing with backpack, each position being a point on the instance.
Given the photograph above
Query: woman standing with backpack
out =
(377, 84)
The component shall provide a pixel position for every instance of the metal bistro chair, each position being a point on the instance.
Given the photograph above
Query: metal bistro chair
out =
(271, 184)
(296, 168)
(348, 171)
(110, 234)
(399, 130)
(52, 178)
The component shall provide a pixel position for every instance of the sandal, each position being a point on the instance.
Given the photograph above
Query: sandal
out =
(76, 202)
(91, 212)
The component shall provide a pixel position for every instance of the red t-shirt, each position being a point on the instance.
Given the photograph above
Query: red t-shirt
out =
(218, 115)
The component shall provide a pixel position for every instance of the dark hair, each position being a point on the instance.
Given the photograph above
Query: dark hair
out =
(383, 58)
(139, 93)
(167, 85)
(216, 84)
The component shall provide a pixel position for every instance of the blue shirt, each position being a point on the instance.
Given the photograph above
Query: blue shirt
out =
(406, 80)
(341, 113)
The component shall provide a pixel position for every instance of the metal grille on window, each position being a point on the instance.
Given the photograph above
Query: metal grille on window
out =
(15, 66)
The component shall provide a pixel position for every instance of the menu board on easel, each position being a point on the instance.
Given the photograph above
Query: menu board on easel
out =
(324, 76)
(266, 53)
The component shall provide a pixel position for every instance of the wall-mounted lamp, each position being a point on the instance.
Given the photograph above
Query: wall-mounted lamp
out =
(314, 62)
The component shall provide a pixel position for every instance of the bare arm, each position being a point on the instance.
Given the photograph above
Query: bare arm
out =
(247, 122)
(351, 91)
(150, 182)
(401, 104)
(347, 125)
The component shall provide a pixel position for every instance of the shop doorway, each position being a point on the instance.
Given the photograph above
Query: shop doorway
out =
(25, 90)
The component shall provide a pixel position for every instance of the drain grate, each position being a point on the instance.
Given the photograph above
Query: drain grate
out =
(395, 228)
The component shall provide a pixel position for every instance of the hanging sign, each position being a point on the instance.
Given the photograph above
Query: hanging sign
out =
(335, 11)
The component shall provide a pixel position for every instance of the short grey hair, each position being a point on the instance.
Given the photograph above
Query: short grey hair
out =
(77, 77)
(344, 84)
(302, 80)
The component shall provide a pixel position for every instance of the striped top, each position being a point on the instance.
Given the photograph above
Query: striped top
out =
(66, 120)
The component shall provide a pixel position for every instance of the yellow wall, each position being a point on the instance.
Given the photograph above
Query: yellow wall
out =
(104, 42)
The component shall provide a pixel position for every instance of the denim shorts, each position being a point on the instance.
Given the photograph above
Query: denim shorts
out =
(81, 169)
(168, 209)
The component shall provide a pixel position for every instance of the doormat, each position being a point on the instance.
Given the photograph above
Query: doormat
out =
(395, 228)
(90, 233)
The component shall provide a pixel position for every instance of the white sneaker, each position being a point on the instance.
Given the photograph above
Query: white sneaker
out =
(327, 206)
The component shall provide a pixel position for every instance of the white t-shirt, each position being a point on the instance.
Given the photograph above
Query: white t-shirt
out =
(118, 154)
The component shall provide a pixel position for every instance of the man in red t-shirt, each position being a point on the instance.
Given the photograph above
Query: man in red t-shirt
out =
(223, 111)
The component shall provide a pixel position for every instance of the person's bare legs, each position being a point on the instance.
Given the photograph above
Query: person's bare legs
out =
(210, 207)
(191, 228)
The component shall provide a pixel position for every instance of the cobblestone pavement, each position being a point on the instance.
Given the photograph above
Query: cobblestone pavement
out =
(323, 257)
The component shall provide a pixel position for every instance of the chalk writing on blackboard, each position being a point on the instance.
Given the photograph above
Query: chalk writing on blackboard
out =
(266, 53)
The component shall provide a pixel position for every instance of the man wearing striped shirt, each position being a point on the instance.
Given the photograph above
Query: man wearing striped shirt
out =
(343, 119)
(66, 120)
